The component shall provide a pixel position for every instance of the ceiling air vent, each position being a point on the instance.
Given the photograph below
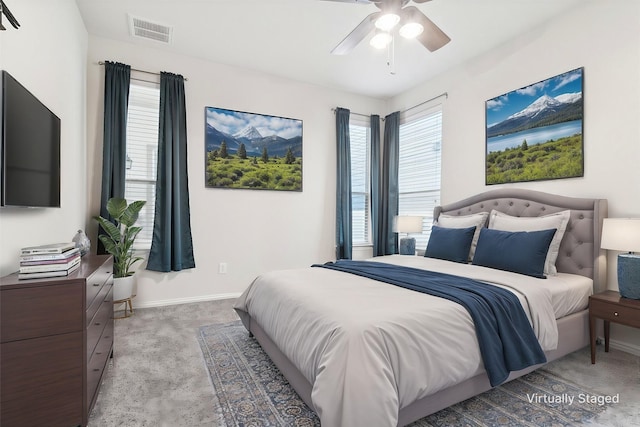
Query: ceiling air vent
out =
(150, 30)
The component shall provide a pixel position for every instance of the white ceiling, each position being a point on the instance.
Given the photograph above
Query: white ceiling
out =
(293, 38)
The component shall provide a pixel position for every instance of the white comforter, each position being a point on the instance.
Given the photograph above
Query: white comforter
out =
(369, 348)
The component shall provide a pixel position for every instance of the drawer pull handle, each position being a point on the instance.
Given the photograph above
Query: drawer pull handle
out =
(107, 336)
(96, 370)
(96, 284)
(97, 324)
(98, 353)
(615, 313)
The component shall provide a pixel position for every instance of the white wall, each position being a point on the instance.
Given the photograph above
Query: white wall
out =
(602, 37)
(252, 231)
(48, 56)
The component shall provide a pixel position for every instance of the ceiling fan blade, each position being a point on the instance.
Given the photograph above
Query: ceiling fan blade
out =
(433, 38)
(358, 34)
(420, 1)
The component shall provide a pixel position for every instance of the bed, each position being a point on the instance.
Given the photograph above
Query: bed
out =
(362, 352)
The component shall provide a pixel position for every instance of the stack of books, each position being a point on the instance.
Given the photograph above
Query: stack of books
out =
(55, 260)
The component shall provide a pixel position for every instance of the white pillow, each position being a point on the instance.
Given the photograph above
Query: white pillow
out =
(478, 220)
(558, 220)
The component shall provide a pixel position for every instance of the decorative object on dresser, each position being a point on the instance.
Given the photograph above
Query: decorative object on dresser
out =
(118, 241)
(56, 336)
(82, 242)
(55, 260)
(610, 307)
(623, 234)
(407, 224)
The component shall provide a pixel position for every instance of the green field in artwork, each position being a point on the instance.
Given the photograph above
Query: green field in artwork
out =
(275, 173)
(561, 158)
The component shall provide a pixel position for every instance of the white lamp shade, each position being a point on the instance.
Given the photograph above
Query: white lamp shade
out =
(621, 234)
(387, 21)
(407, 224)
(380, 40)
(411, 30)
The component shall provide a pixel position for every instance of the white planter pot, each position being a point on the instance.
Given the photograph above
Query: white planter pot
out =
(123, 287)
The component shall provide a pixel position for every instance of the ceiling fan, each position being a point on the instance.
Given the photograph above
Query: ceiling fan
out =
(411, 21)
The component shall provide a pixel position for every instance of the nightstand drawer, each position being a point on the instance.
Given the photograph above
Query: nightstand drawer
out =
(615, 313)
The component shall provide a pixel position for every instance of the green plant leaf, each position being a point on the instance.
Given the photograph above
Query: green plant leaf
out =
(111, 229)
(116, 207)
(129, 216)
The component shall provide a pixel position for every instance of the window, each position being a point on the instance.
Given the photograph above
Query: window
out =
(419, 167)
(360, 144)
(142, 154)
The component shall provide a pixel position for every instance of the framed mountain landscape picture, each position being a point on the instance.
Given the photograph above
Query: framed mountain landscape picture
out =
(252, 151)
(535, 133)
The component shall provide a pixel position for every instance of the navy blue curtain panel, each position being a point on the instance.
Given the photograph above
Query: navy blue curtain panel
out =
(114, 141)
(171, 244)
(376, 187)
(344, 239)
(390, 196)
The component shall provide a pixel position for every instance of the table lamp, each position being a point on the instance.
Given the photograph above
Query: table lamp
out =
(623, 234)
(407, 224)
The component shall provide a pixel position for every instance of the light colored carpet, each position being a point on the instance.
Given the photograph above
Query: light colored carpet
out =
(158, 376)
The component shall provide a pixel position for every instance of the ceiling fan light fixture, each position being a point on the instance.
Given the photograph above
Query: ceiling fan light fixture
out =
(411, 30)
(381, 40)
(387, 21)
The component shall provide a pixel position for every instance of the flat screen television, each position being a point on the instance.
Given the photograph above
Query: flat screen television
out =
(29, 149)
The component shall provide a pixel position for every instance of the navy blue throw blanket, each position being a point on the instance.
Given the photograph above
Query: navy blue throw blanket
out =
(507, 341)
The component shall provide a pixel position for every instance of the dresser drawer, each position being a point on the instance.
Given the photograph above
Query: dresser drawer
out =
(42, 381)
(98, 301)
(102, 318)
(615, 313)
(41, 311)
(96, 281)
(98, 362)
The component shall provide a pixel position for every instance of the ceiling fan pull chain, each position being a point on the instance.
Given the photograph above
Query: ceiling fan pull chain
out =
(391, 56)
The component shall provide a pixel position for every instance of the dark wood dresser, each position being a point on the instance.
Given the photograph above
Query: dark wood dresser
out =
(56, 336)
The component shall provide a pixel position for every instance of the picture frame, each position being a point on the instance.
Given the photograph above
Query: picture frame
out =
(252, 151)
(535, 133)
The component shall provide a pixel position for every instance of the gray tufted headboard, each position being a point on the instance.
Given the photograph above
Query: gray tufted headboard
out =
(580, 251)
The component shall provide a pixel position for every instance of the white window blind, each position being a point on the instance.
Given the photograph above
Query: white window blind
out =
(360, 144)
(419, 168)
(142, 154)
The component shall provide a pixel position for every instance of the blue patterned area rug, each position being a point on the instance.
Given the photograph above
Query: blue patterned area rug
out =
(253, 392)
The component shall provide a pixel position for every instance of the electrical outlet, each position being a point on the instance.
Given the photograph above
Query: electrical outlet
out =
(222, 268)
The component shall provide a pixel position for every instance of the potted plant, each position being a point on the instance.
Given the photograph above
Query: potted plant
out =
(119, 242)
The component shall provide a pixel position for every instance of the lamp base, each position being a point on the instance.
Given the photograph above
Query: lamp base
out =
(629, 275)
(407, 246)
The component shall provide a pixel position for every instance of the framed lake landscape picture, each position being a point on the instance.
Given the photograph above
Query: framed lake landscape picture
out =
(252, 151)
(535, 133)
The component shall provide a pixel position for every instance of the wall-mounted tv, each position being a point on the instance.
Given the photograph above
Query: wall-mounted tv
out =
(29, 149)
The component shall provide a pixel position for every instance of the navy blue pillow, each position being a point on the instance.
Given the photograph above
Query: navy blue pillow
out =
(520, 252)
(452, 244)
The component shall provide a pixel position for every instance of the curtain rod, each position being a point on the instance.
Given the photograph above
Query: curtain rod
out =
(142, 71)
(355, 114)
(445, 94)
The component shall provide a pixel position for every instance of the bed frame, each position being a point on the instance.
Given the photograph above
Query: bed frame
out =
(580, 254)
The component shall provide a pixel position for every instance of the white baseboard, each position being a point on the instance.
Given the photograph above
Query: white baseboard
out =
(175, 301)
(624, 346)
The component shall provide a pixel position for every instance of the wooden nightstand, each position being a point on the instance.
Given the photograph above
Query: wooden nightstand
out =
(611, 307)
